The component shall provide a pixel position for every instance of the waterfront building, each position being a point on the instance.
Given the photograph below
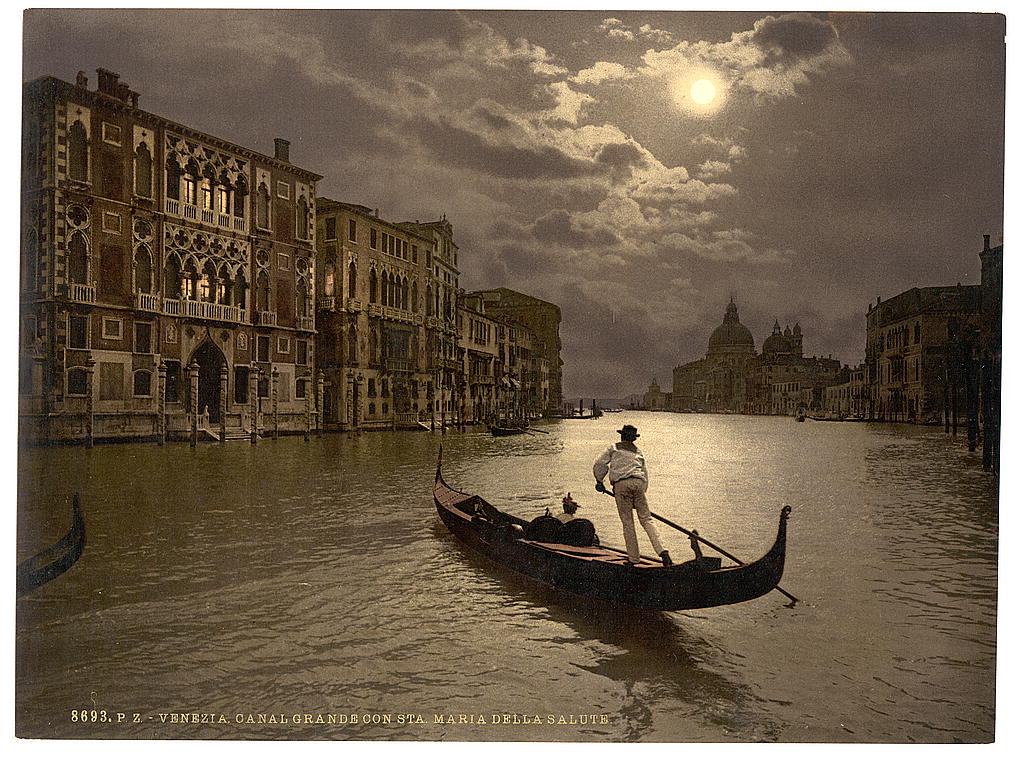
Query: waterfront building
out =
(542, 319)
(991, 350)
(504, 366)
(915, 366)
(482, 369)
(447, 384)
(377, 294)
(167, 274)
(845, 398)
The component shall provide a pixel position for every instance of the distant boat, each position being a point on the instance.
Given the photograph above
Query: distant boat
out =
(800, 418)
(595, 571)
(499, 430)
(55, 560)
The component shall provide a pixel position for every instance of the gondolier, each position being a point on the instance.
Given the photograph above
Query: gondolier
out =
(624, 465)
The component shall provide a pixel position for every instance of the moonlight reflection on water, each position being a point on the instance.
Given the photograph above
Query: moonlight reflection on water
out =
(315, 578)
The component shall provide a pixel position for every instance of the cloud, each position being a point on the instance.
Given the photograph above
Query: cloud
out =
(712, 169)
(616, 29)
(600, 72)
(771, 59)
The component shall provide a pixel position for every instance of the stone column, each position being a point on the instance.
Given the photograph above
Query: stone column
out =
(161, 395)
(90, 367)
(356, 404)
(254, 401)
(319, 404)
(309, 406)
(223, 403)
(274, 375)
(193, 405)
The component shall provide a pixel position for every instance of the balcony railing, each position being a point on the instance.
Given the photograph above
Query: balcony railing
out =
(147, 302)
(326, 304)
(268, 318)
(188, 210)
(204, 310)
(81, 293)
(398, 315)
(351, 304)
(398, 364)
(305, 323)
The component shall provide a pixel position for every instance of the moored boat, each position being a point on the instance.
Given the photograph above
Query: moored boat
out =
(599, 572)
(55, 560)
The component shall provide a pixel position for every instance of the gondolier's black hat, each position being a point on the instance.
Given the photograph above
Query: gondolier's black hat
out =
(629, 431)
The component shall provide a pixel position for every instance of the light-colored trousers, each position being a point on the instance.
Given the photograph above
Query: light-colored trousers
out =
(629, 494)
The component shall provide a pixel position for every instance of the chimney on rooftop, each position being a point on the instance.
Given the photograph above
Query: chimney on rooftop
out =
(81, 80)
(106, 81)
(281, 149)
(987, 241)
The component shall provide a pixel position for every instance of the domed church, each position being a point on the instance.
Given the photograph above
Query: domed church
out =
(717, 383)
(730, 348)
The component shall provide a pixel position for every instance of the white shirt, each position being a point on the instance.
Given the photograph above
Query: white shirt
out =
(617, 463)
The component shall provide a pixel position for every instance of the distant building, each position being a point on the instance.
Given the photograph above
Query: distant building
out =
(542, 319)
(733, 377)
(845, 398)
(168, 275)
(655, 399)
(718, 382)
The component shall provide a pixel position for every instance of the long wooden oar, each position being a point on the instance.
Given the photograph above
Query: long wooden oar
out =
(541, 430)
(708, 543)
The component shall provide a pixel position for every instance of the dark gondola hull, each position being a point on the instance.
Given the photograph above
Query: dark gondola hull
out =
(55, 560)
(506, 431)
(600, 573)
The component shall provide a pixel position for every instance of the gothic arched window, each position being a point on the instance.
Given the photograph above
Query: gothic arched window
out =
(352, 280)
(329, 279)
(144, 270)
(224, 286)
(373, 286)
(415, 305)
(78, 259)
(241, 290)
(143, 171)
(173, 173)
(262, 292)
(302, 219)
(302, 298)
(78, 153)
(263, 207)
(172, 279)
(353, 346)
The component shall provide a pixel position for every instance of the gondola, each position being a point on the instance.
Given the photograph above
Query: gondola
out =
(599, 572)
(497, 430)
(55, 560)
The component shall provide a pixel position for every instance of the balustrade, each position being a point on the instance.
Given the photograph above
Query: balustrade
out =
(147, 302)
(203, 310)
(81, 293)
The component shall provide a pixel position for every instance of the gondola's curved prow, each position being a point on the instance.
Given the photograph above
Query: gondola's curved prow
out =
(55, 560)
(601, 573)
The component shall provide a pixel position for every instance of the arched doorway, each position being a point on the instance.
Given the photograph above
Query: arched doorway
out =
(210, 360)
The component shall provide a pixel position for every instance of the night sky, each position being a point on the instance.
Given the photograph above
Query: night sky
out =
(839, 158)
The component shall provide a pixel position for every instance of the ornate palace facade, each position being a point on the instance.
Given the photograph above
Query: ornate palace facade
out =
(168, 275)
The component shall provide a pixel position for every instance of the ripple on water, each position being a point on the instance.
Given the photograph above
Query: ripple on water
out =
(297, 577)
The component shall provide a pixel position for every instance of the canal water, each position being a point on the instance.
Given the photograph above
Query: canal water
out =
(307, 590)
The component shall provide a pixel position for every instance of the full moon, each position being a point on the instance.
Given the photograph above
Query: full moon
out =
(703, 91)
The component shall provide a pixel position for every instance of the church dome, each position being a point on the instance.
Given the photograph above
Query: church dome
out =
(731, 333)
(775, 343)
